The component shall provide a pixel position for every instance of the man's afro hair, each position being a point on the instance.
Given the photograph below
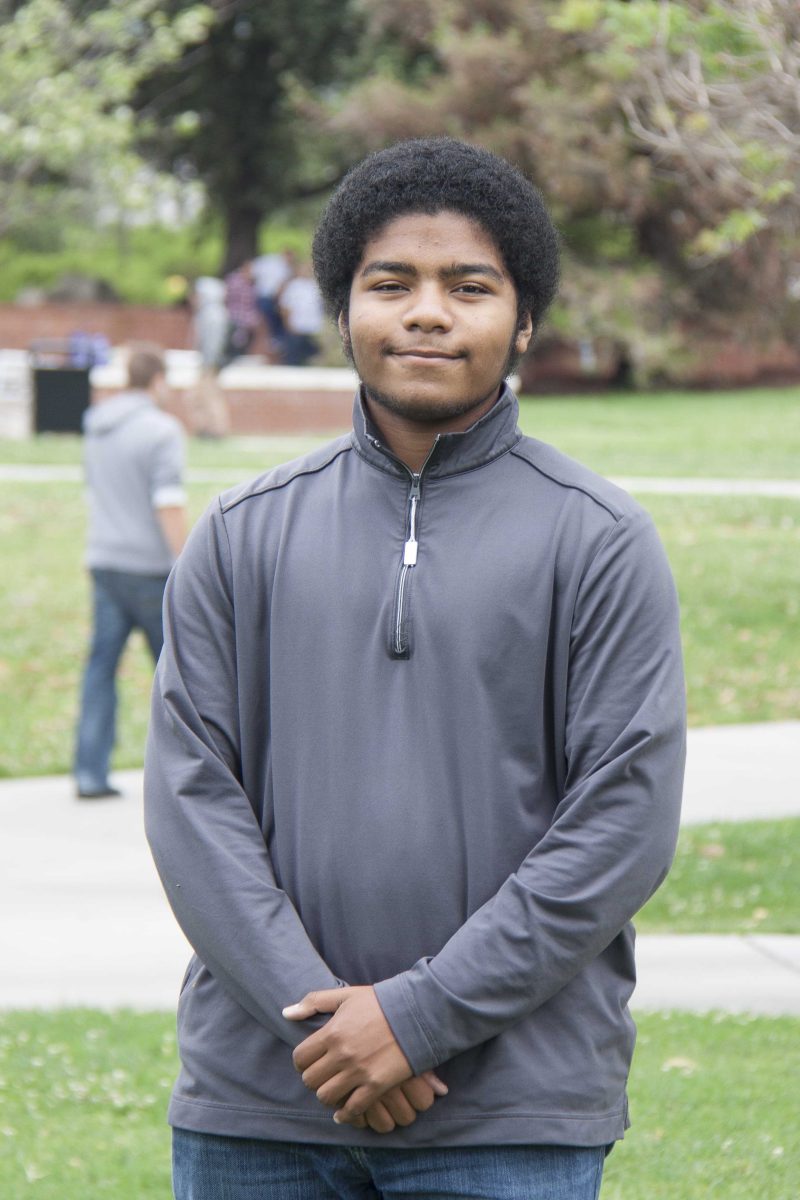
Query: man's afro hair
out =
(429, 176)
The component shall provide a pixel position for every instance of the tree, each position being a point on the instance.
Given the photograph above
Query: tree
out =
(663, 134)
(231, 111)
(67, 129)
(711, 94)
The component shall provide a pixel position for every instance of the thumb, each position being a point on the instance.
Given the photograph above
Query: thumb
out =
(316, 1002)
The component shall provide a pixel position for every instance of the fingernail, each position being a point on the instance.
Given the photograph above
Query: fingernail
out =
(291, 1010)
(338, 1119)
(440, 1088)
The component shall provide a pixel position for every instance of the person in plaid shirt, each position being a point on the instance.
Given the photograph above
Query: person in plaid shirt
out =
(242, 303)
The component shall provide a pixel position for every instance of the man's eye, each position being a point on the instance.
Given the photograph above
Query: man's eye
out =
(472, 289)
(388, 286)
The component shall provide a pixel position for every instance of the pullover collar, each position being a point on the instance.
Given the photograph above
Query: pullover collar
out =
(453, 453)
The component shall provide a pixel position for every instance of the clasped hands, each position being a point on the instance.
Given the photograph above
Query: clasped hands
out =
(355, 1065)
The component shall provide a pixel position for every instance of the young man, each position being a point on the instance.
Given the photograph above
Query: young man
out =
(133, 457)
(417, 747)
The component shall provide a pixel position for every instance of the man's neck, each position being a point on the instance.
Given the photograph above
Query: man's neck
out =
(411, 441)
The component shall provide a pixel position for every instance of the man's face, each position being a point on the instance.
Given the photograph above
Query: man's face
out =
(432, 322)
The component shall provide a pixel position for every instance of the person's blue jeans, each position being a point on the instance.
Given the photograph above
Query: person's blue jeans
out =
(268, 307)
(298, 348)
(207, 1167)
(122, 601)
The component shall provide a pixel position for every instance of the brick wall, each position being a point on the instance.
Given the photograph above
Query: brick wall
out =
(271, 412)
(167, 327)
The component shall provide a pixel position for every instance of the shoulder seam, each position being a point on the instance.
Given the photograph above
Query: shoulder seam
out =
(275, 485)
(577, 487)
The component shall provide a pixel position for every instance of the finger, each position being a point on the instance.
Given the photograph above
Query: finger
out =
(334, 1090)
(355, 1122)
(315, 1002)
(401, 1112)
(439, 1086)
(319, 1073)
(310, 1051)
(419, 1094)
(377, 1117)
(359, 1101)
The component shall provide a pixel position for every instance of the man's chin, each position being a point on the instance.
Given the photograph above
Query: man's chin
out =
(426, 410)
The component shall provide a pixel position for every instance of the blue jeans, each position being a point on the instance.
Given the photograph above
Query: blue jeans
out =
(298, 348)
(207, 1167)
(122, 602)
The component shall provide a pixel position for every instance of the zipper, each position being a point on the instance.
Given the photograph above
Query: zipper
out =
(410, 548)
(401, 647)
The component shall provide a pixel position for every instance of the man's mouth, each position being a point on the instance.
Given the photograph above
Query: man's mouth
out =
(428, 353)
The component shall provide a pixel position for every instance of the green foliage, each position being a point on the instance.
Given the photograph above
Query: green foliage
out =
(715, 31)
(577, 16)
(141, 262)
(599, 237)
(734, 230)
(66, 80)
(138, 262)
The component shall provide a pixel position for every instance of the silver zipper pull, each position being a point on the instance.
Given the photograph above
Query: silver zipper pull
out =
(410, 553)
(410, 548)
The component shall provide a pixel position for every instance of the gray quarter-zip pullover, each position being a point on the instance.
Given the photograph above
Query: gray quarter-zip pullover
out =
(424, 732)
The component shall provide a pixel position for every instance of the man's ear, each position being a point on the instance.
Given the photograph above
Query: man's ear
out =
(344, 333)
(524, 332)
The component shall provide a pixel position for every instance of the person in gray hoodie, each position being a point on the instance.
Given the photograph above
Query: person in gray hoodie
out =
(416, 749)
(133, 460)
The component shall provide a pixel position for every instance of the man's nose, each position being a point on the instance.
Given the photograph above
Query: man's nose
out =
(428, 309)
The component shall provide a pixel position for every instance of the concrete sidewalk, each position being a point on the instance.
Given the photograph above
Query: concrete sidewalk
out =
(85, 921)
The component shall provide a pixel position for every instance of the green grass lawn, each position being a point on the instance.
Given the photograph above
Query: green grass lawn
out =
(713, 1106)
(728, 435)
(737, 566)
(730, 878)
(83, 1097)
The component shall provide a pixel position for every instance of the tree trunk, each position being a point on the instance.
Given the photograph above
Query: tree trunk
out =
(241, 235)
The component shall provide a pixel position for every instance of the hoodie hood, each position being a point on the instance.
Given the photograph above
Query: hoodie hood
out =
(107, 416)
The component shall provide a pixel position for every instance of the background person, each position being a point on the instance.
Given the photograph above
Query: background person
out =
(243, 316)
(207, 407)
(134, 463)
(303, 315)
(270, 273)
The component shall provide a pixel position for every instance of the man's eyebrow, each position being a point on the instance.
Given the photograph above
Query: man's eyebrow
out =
(381, 267)
(459, 269)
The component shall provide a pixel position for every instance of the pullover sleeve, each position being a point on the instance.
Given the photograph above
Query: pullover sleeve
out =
(613, 834)
(205, 838)
(166, 467)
